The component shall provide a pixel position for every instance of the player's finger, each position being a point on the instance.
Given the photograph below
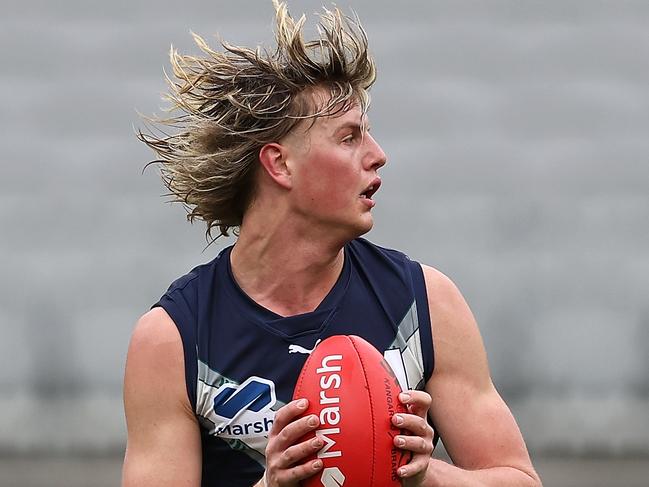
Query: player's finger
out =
(300, 472)
(413, 424)
(295, 430)
(295, 453)
(417, 466)
(415, 444)
(417, 402)
(287, 414)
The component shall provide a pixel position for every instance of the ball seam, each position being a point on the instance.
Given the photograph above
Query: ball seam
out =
(369, 393)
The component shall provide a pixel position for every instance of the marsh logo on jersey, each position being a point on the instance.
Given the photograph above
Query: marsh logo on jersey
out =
(255, 394)
(244, 410)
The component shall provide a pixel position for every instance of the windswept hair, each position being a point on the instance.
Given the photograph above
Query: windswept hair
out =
(227, 105)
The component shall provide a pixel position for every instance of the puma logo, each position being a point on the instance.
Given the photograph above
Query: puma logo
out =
(299, 349)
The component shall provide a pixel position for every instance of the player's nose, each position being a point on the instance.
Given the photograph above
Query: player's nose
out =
(376, 157)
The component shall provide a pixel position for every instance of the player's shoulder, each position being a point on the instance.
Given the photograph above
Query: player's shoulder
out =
(153, 329)
(440, 287)
(154, 382)
(155, 356)
(445, 300)
(462, 355)
(155, 323)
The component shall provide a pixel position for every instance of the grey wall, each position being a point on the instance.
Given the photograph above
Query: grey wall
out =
(517, 139)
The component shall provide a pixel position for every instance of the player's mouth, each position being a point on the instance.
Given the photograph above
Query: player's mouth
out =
(372, 188)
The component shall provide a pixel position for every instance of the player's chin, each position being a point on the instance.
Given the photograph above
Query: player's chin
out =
(354, 225)
(363, 224)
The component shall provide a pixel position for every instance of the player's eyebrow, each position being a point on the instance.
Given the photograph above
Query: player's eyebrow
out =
(353, 125)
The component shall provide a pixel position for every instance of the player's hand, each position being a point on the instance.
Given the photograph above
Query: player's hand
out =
(285, 453)
(418, 438)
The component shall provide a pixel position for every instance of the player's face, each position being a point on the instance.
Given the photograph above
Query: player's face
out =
(334, 173)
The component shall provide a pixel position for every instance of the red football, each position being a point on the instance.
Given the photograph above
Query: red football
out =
(355, 393)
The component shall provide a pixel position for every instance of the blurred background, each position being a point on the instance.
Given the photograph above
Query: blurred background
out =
(517, 138)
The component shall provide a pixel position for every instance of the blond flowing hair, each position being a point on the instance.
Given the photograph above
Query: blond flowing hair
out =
(227, 105)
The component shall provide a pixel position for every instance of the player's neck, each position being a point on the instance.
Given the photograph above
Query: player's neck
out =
(285, 269)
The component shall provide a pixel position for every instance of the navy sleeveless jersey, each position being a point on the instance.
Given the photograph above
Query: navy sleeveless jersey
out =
(242, 360)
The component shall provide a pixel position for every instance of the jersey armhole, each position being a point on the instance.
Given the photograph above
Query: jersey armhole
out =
(425, 330)
(423, 314)
(185, 325)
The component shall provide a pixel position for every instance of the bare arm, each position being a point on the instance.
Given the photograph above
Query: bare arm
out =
(478, 430)
(163, 448)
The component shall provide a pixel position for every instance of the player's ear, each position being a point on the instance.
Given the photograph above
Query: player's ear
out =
(272, 157)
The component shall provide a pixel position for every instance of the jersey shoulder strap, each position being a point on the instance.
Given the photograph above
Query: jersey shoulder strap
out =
(182, 303)
(398, 283)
